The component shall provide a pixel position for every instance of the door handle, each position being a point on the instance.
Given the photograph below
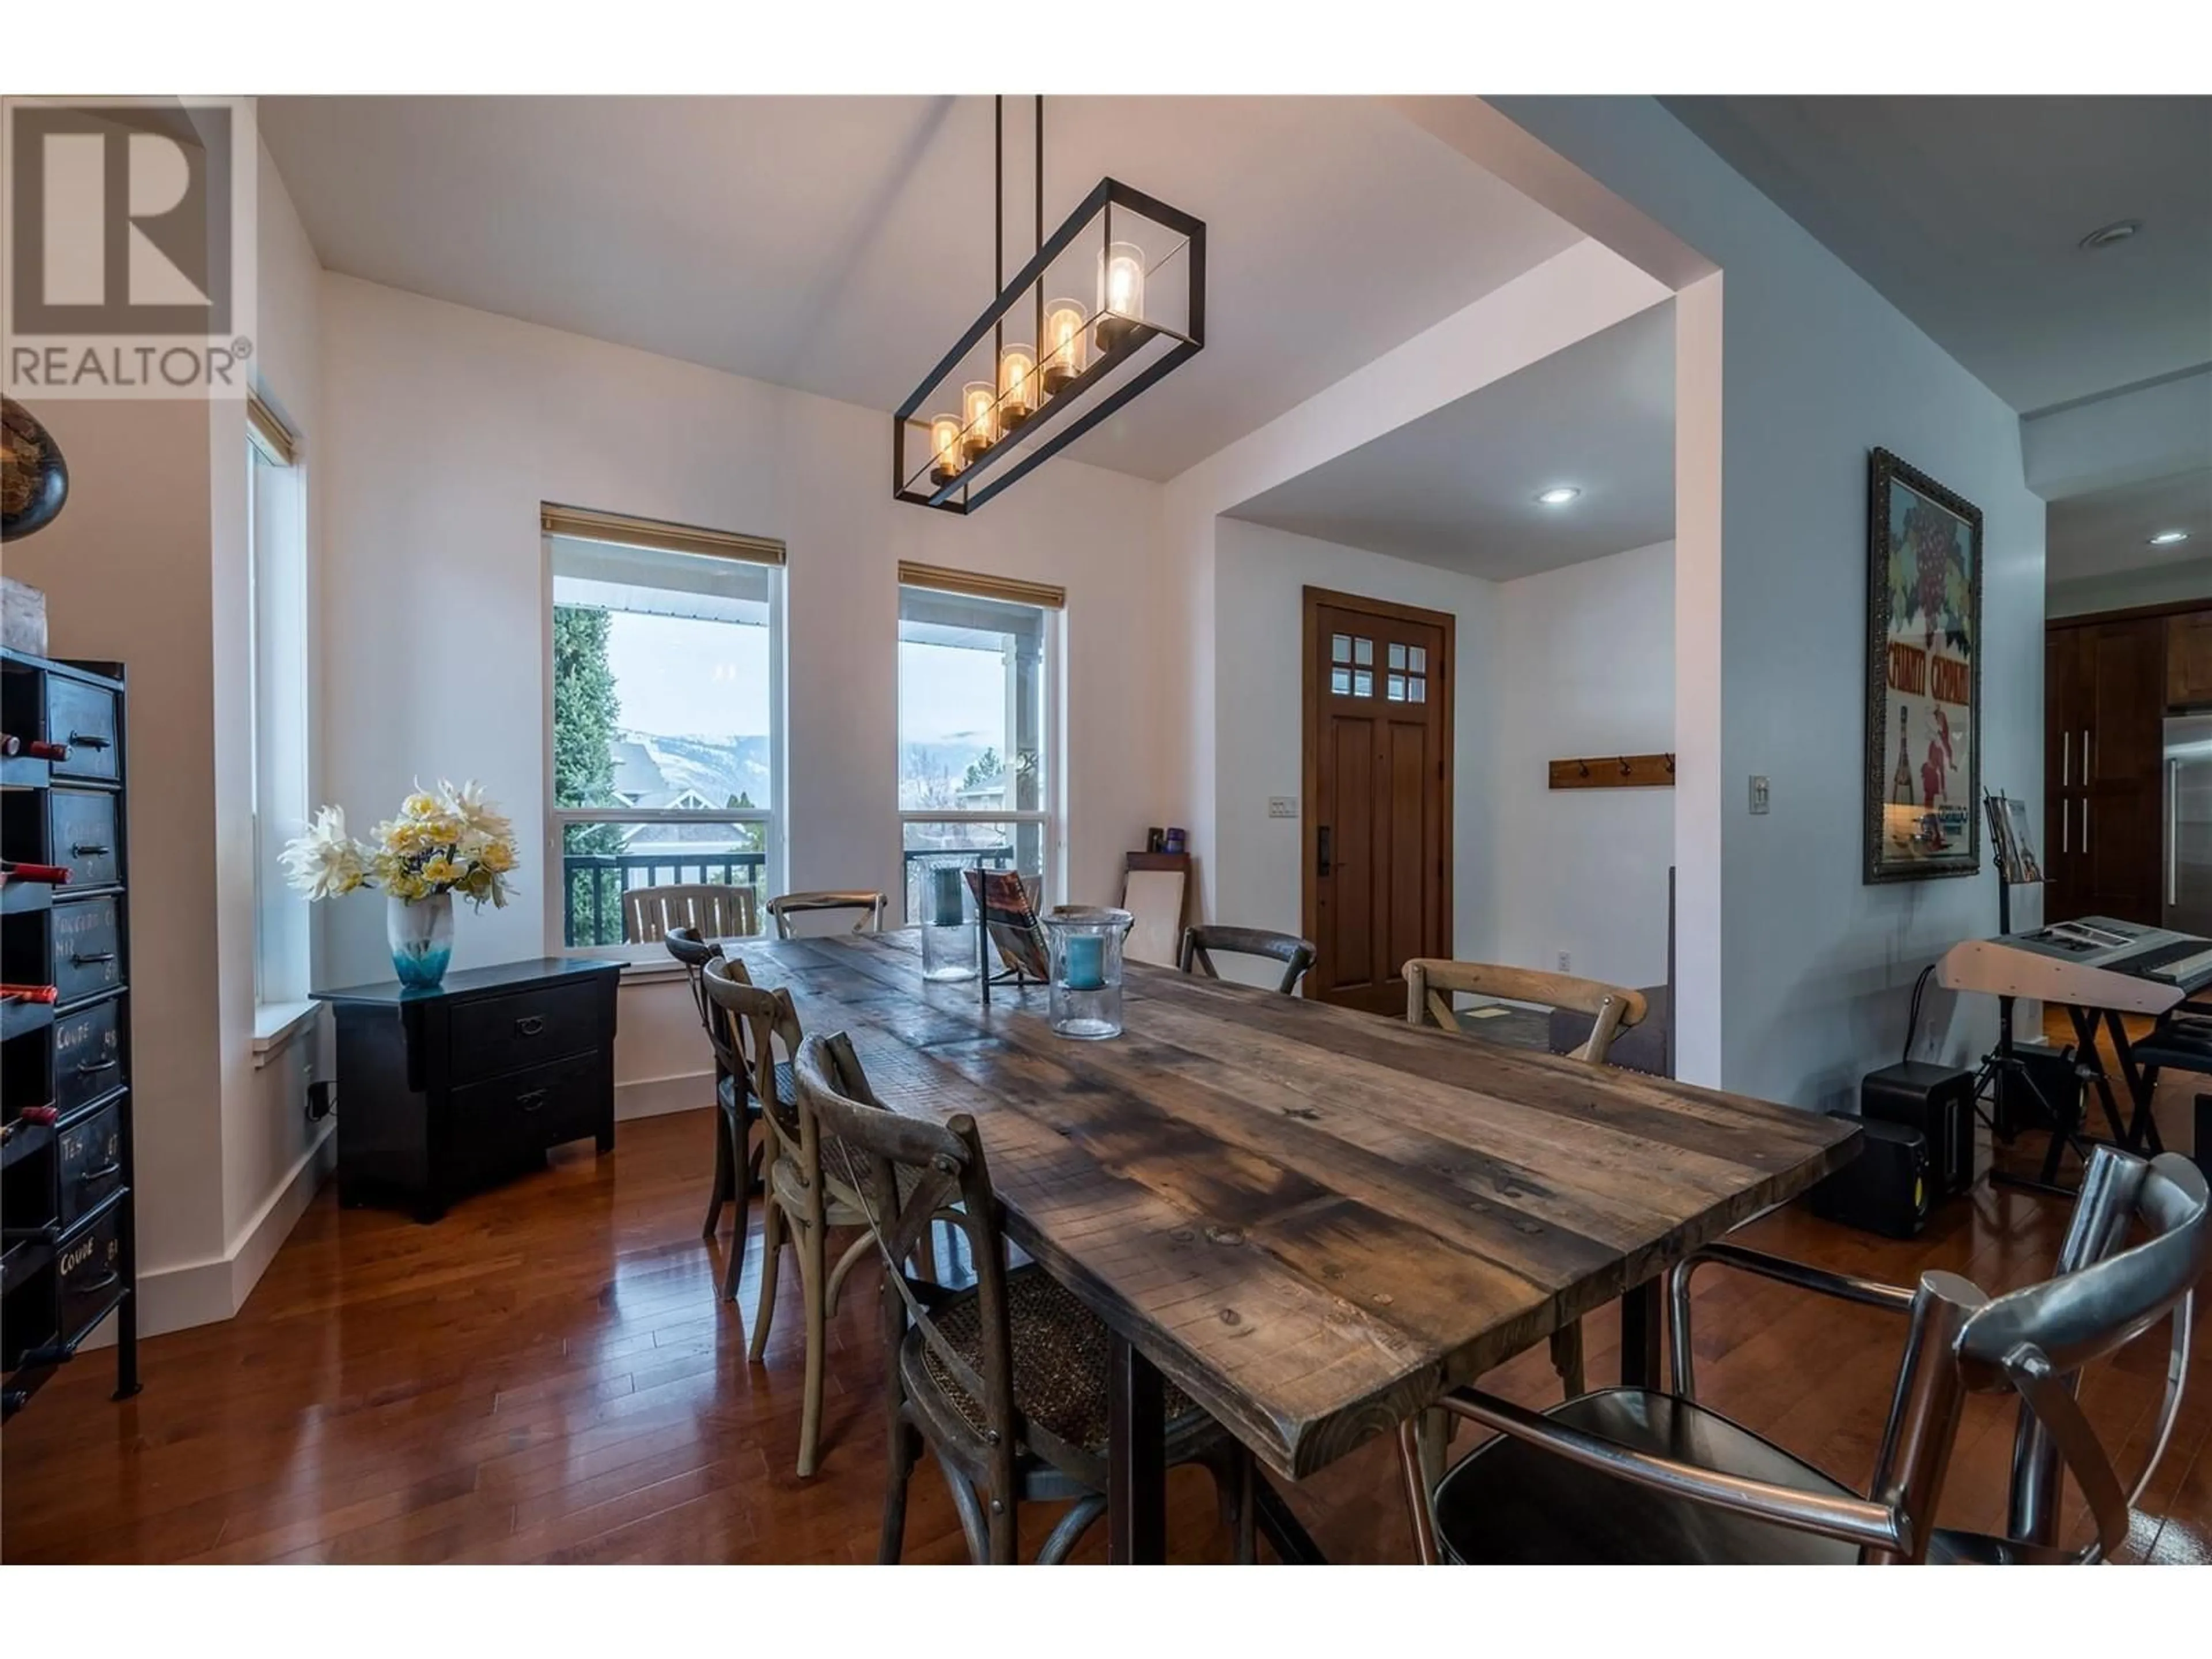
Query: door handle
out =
(98, 1172)
(2173, 828)
(92, 1069)
(87, 740)
(2066, 760)
(86, 958)
(89, 849)
(2088, 771)
(2085, 826)
(1321, 845)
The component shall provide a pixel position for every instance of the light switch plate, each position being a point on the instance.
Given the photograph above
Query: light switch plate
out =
(1282, 806)
(1759, 794)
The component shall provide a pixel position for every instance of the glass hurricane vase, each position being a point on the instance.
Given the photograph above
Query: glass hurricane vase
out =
(1086, 970)
(420, 934)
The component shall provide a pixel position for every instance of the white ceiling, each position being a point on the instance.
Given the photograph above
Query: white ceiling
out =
(2110, 532)
(840, 244)
(1966, 213)
(1457, 487)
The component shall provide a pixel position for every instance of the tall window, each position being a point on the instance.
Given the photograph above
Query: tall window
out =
(276, 567)
(666, 665)
(977, 662)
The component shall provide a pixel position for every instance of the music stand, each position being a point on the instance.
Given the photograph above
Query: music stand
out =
(2002, 1068)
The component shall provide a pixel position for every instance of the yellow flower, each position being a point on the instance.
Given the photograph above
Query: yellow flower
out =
(497, 856)
(419, 804)
(441, 870)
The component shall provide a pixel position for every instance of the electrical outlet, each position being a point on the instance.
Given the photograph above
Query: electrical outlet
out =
(1759, 794)
(1566, 963)
(1282, 806)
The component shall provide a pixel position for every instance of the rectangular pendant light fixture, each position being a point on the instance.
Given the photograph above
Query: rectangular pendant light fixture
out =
(991, 410)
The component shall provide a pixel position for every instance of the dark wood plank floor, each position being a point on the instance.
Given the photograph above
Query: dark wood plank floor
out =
(546, 1375)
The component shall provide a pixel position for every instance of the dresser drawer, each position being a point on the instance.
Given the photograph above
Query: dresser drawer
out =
(493, 1035)
(88, 1157)
(83, 717)
(80, 835)
(512, 1120)
(87, 948)
(90, 1268)
(87, 1055)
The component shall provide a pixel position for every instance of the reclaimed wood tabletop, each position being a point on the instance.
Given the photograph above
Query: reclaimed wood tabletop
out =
(1314, 1220)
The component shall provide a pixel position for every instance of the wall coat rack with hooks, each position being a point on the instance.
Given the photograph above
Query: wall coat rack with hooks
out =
(1615, 772)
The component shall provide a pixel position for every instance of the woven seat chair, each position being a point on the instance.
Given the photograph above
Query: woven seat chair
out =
(1005, 1382)
(1636, 1475)
(737, 1156)
(1296, 954)
(869, 907)
(710, 909)
(807, 1192)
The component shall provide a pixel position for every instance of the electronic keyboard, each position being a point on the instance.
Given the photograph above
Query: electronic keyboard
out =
(2092, 962)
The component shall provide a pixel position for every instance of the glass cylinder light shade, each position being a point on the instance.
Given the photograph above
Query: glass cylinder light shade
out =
(1086, 970)
(949, 945)
(944, 448)
(980, 410)
(1018, 387)
(1066, 345)
(1120, 293)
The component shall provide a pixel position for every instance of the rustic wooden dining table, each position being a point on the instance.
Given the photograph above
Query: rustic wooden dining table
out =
(1316, 1221)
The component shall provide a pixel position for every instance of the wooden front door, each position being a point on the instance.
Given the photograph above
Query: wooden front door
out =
(2104, 700)
(1378, 792)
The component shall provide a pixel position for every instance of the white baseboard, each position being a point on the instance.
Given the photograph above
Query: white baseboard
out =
(203, 1292)
(656, 1096)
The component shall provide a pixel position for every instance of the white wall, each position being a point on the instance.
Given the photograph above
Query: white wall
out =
(1260, 578)
(1804, 968)
(2164, 584)
(1583, 664)
(446, 429)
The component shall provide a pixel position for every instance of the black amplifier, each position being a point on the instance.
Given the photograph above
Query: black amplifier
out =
(1885, 1188)
(1938, 1101)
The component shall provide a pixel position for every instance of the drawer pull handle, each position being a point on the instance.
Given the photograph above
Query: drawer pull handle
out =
(87, 958)
(95, 1067)
(111, 1277)
(87, 740)
(89, 849)
(99, 1172)
(530, 1025)
(531, 1100)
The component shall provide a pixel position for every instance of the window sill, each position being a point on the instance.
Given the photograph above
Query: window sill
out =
(275, 1024)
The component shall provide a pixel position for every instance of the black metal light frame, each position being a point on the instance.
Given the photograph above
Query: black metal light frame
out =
(959, 494)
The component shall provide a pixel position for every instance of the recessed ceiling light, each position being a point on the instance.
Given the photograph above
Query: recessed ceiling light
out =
(2106, 236)
(2167, 538)
(1558, 495)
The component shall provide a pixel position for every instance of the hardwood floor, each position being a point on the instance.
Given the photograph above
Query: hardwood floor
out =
(547, 1376)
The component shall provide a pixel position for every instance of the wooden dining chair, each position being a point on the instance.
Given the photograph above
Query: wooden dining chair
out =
(805, 1198)
(737, 1157)
(1296, 954)
(869, 907)
(1633, 1476)
(713, 909)
(1004, 1381)
(1431, 984)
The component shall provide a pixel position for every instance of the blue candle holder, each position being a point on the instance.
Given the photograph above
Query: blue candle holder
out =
(1086, 970)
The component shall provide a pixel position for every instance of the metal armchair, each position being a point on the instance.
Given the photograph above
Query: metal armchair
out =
(1632, 1476)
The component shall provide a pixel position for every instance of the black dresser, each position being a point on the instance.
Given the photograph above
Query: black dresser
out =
(67, 1254)
(442, 1092)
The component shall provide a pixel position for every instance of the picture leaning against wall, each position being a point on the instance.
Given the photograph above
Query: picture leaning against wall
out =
(1923, 676)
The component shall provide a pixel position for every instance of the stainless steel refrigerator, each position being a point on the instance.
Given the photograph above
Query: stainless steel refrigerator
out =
(2189, 823)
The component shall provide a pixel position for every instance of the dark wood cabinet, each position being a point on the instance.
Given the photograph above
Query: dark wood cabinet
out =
(444, 1091)
(2189, 661)
(2105, 697)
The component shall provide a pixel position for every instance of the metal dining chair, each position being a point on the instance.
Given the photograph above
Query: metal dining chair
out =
(1005, 1382)
(1638, 1475)
(1296, 954)
(869, 907)
(712, 910)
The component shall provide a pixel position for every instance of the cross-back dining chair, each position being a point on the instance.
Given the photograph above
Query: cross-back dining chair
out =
(868, 908)
(1638, 1475)
(736, 1158)
(1431, 984)
(1199, 944)
(712, 910)
(1004, 1381)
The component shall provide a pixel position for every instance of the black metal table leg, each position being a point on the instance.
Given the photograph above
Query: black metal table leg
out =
(2142, 1133)
(1136, 1458)
(1639, 1337)
(1285, 1533)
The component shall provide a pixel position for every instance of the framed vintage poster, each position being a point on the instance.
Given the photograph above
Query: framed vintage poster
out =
(1923, 745)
